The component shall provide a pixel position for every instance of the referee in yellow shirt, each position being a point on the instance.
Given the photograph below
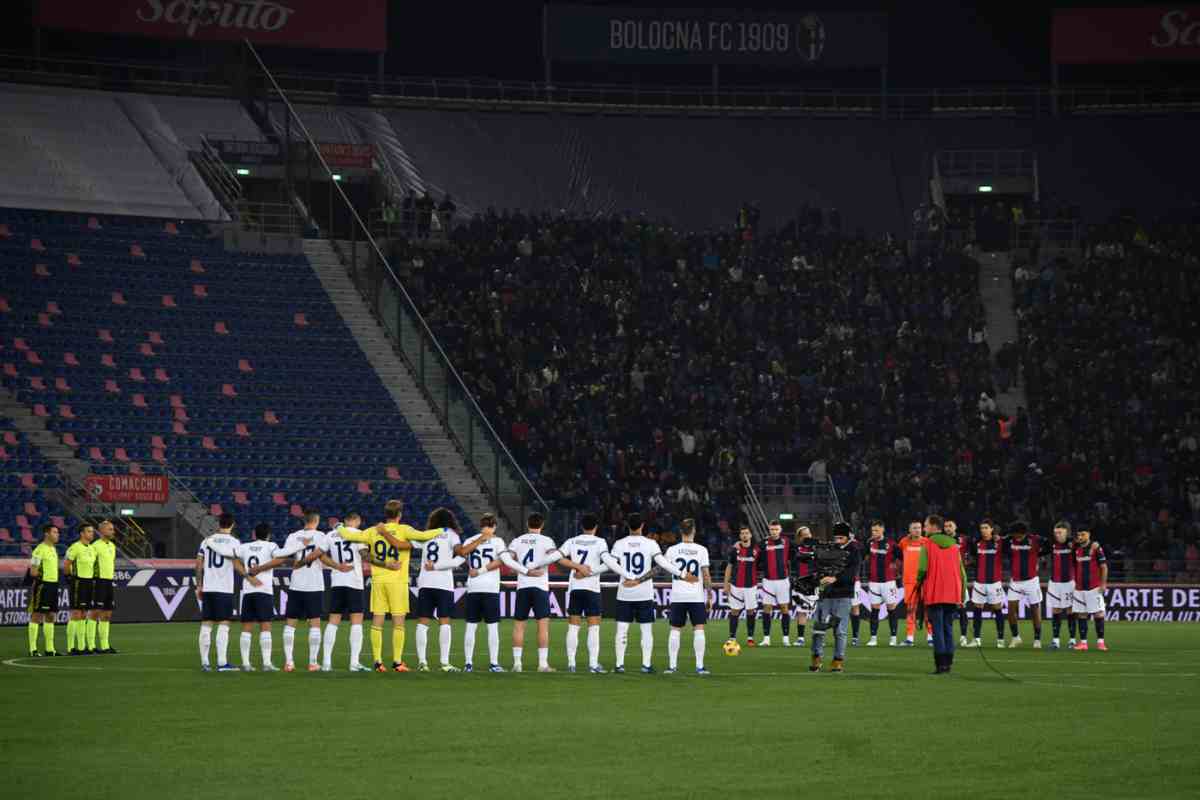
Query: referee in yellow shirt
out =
(102, 594)
(389, 550)
(43, 595)
(80, 567)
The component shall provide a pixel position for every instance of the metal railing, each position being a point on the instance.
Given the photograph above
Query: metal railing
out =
(1052, 236)
(75, 499)
(754, 509)
(458, 412)
(835, 505)
(281, 218)
(998, 101)
(216, 173)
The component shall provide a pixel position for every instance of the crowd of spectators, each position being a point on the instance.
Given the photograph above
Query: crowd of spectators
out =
(1108, 351)
(632, 366)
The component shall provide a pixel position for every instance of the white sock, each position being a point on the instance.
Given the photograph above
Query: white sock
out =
(594, 646)
(698, 642)
(314, 645)
(444, 633)
(673, 648)
(647, 643)
(244, 642)
(264, 644)
(572, 644)
(205, 640)
(493, 643)
(222, 645)
(622, 640)
(327, 645)
(355, 643)
(543, 657)
(289, 644)
(517, 656)
(422, 642)
(469, 642)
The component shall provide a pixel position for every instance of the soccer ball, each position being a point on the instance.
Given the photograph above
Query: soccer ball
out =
(732, 648)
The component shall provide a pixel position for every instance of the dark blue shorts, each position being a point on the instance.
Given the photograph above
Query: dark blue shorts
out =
(346, 600)
(682, 612)
(305, 605)
(435, 603)
(217, 607)
(532, 599)
(635, 611)
(483, 607)
(584, 603)
(258, 607)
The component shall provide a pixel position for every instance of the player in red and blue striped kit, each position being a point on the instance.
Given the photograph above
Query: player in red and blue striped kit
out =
(741, 583)
(774, 558)
(881, 557)
(988, 588)
(1091, 579)
(805, 604)
(1060, 593)
(1024, 585)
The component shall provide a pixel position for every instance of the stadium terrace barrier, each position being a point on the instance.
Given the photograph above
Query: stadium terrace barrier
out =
(168, 595)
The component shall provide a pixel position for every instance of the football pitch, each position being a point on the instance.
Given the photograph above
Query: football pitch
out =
(146, 723)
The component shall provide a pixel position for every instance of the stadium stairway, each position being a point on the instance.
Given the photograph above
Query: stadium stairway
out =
(995, 286)
(397, 379)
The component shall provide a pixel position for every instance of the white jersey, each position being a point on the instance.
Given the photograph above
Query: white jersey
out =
(218, 552)
(590, 551)
(691, 558)
(531, 551)
(487, 552)
(252, 554)
(635, 556)
(301, 544)
(344, 552)
(439, 550)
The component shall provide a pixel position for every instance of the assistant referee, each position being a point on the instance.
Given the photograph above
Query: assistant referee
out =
(43, 595)
(80, 567)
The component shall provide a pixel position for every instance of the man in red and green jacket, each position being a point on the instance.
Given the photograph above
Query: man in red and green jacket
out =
(941, 587)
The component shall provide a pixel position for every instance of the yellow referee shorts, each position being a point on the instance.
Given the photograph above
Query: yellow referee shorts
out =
(388, 597)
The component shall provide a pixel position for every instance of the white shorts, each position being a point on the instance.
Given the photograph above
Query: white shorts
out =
(987, 594)
(804, 603)
(740, 598)
(776, 593)
(1088, 601)
(883, 594)
(1060, 596)
(1029, 591)
(861, 598)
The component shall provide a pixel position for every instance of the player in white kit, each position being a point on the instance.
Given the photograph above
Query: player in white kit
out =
(584, 555)
(435, 586)
(482, 552)
(633, 558)
(529, 555)
(688, 563)
(260, 558)
(306, 592)
(346, 594)
(215, 564)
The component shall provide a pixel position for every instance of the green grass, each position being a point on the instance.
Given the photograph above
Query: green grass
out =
(148, 724)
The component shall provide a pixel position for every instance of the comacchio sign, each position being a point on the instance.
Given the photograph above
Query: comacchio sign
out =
(1126, 35)
(345, 25)
(128, 488)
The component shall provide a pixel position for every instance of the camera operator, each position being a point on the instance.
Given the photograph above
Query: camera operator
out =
(833, 607)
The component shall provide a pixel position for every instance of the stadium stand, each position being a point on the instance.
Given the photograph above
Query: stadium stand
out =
(642, 368)
(146, 347)
(79, 152)
(1108, 352)
(215, 118)
(23, 504)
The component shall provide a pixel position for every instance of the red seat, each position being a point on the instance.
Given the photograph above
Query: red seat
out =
(52, 307)
(242, 430)
(3, 454)
(118, 298)
(70, 360)
(36, 244)
(216, 510)
(95, 455)
(161, 375)
(135, 468)
(168, 301)
(93, 224)
(73, 260)
(39, 410)
(44, 320)
(120, 455)
(393, 474)
(270, 418)
(4, 306)
(26, 535)
(228, 390)
(177, 401)
(219, 327)
(159, 455)
(5, 536)
(33, 358)
(181, 415)
(37, 383)
(105, 335)
(111, 387)
(145, 349)
(135, 373)
(364, 487)
(279, 499)
(199, 290)
(136, 250)
(296, 511)
(107, 361)
(241, 499)
(171, 229)
(59, 522)
(208, 444)
(156, 338)
(4, 231)
(24, 522)
(244, 365)
(27, 481)
(139, 401)
(197, 267)
(69, 440)
(66, 412)
(10, 437)
(31, 510)
(178, 428)
(41, 270)
(10, 369)
(61, 385)
(157, 442)
(301, 319)
(19, 343)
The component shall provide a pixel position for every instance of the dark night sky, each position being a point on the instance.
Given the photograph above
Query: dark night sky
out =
(933, 43)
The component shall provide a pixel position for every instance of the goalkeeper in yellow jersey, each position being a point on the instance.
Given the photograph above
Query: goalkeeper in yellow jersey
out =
(389, 551)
